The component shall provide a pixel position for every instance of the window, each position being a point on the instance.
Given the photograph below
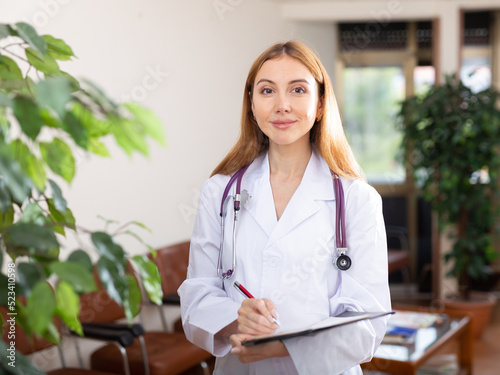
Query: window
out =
(370, 105)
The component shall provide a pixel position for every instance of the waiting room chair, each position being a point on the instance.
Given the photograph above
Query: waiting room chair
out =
(29, 345)
(172, 262)
(152, 353)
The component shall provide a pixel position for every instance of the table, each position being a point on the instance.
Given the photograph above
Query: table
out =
(406, 359)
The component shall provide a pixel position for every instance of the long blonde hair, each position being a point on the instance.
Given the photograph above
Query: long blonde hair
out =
(327, 134)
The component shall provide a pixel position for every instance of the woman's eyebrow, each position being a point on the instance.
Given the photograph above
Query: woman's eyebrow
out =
(301, 80)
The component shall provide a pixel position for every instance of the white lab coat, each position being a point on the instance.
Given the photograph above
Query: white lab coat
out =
(290, 262)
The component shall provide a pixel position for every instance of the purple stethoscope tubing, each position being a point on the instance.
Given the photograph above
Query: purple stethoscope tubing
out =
(238, 176)
(343, 262)
(340, 233)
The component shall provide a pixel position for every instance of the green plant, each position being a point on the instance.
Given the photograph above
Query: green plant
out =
(451, 146)
(46, 116)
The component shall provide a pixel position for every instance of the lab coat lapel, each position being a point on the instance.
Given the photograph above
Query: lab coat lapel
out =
(316, 185)
(260, 203)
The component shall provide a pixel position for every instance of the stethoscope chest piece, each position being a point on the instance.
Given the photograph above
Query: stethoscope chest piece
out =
(342, 262)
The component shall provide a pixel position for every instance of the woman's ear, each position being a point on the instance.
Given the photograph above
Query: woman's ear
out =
(319, 110)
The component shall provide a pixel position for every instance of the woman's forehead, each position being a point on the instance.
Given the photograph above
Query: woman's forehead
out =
(284, 69)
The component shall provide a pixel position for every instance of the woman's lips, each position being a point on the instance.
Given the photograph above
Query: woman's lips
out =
(283, 124)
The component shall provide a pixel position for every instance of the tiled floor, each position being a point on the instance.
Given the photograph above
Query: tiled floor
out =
(487, 350)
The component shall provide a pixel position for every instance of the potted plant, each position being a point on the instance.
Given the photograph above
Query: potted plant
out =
(47, 115)
(451, 143)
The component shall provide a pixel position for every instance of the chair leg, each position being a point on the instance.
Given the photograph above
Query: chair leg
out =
(144, 355)
(124, 357)
(204, 366)
(162, 317)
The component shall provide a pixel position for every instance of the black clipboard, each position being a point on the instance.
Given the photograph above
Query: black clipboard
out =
(345, 318)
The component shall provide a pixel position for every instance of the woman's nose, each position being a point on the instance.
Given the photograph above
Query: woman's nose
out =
(282, 104)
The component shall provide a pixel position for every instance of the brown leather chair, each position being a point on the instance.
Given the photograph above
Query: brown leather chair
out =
(29, 345)
(172, 262)
(152, 353)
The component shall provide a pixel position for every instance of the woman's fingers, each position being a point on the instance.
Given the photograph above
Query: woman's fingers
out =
(256, 352)
(255, 317)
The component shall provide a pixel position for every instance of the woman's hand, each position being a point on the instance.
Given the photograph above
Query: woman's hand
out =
(256, 352)
(255, 317)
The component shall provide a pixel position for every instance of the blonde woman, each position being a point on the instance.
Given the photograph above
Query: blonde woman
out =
(292, 144)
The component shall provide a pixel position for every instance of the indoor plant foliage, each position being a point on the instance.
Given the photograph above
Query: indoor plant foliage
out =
(451, 143)
(45, 116)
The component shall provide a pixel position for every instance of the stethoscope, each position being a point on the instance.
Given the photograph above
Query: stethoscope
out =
(342, 261)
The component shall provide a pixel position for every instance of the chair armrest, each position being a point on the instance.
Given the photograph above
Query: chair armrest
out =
(135, 329)
(171, 299)
(122, 337)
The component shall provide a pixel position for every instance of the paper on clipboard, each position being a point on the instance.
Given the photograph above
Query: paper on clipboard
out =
(328, 323)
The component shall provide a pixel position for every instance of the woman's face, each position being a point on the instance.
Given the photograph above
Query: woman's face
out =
(285, 101)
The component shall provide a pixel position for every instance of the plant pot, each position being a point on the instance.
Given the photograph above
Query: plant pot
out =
(479, 309)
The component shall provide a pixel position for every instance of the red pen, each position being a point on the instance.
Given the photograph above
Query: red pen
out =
(247, 294)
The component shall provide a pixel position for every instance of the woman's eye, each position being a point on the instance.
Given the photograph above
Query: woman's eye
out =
(266, 91)
(299, 90)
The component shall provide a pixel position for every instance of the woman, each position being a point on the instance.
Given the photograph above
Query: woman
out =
(291, 137)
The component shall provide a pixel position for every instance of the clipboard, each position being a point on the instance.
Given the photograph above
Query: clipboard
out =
(345, 318)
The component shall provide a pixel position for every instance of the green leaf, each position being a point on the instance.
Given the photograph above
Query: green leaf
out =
(68, 307)
(151, 278)
(98, 148)
(95, 127)
(4, 30)
(16, 181)
(108, 248)
(142, 225)
(81, 257)
(32, 214)
(49, 118)
(7, 218)
(76, 130)
(58, 48)
(45, 64)
(9, 72)
(113, 279)
(97, 95)
(52, 334)
(5, 202)
(61, 220)
(28, 274)
(28, 116)
(148, 121)
(30, 36)
(74, 83)
(41, 307)
(132, 305)
(128, 136)
(30, 164)
(5, 101)
(32, 236)
(54, 93)
(80, 278)
(59, 157)
(59, 201)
